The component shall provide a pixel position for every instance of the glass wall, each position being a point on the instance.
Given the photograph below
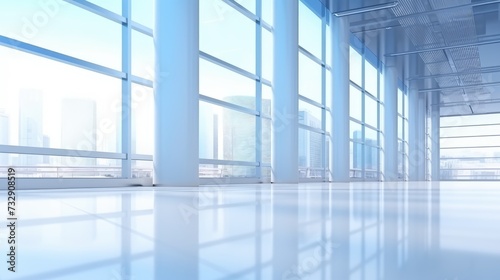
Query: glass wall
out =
(314, 92)
(365, 110)
(65, 87)
(235, 89)
(470, 148)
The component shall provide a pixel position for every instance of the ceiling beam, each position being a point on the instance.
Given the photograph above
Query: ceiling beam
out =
(475, 4)
(487, 42)
(459, 87)
(485, 70)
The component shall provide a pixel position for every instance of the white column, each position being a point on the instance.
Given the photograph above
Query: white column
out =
(391, 119)
(285, 105)
(416, 121)
(436, 124)
(339, 28)
(176, 34)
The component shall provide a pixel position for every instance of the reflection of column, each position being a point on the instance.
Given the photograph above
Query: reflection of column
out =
(390, 241)
(435, 216)
(176, 155)
(417, 224)
(340, 101)
(285, 103)
(340, 233)
(285, 234)
(126, 224)
(391, 111)
(176, 236)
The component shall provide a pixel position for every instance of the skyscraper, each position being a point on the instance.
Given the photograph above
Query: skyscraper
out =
(78, 129)
(4, 136)
(310, 145)
(30, 124)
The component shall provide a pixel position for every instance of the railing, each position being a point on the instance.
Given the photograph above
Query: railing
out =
(74, 171)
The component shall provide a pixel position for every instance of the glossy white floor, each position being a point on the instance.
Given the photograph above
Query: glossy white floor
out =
(311, 231)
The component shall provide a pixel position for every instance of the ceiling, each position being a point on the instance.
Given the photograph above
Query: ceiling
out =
(446, 47)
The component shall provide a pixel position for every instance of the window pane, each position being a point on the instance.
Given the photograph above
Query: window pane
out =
(142, 120)
(400, 102)
(471, 120)
(382, 87)
(328, 89)
(267, 126)
(309, 78)
(267, 11)
(470, 152)
(309, 30)
(357, 155)
(310, 154)
(267, 54)
(407, 112)
(226, 134)
(248, 4)
(400, 128)
(113, 5)
(371, 112)
(371, 76)
(371, 161)
(371, 137)
(355, 103)
(356, 131)
(143, 56)
(491, 130)
(355, 66)
(43, 98)
(219, 23)
(143, 12)
(490, 141)
(267, 100)
(221, 83)
(309, 114)
(60, 29)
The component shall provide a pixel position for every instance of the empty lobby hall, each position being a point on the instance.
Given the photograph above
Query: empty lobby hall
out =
(250, 139)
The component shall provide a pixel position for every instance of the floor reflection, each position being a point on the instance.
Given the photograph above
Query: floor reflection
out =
(312, 231)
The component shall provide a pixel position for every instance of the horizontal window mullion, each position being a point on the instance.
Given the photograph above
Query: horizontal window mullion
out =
(467, 147)
(98, 10)
(228, 105)
(468, 158)
(238, 7)
(141, 28)
(310, 128)
(312, 102)
(56, 56)
(266, 25)
(141, 157)
(311, 56)
(25, 150)
(228, 162)
(228, 65)
(266, 82)
(141, 81)
(470, 125)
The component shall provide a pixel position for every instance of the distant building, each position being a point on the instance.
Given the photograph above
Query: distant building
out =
(310, 147)
(30, 124)
(78, 129)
